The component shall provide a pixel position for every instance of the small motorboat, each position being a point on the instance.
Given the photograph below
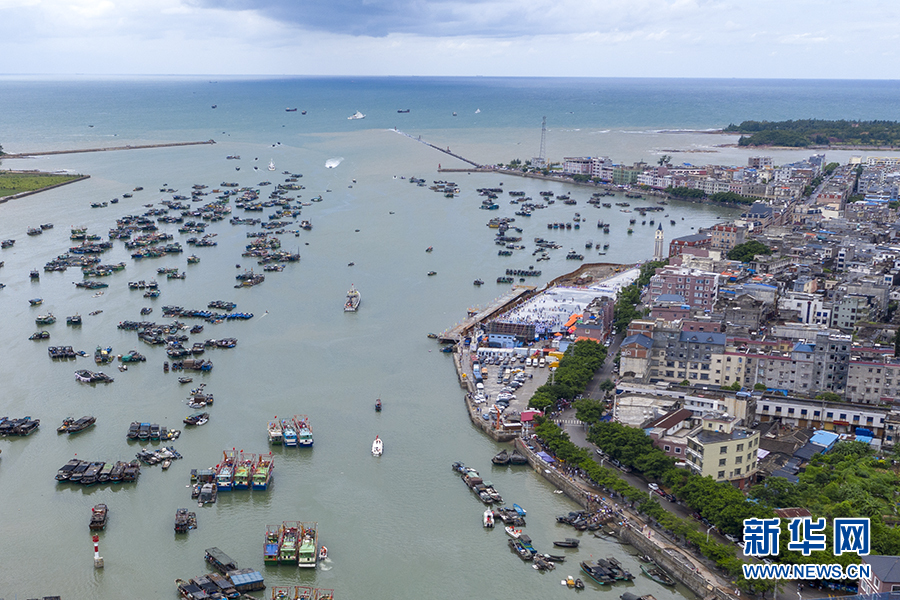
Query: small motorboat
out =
(512, 532)
(185, 379)
(567, 543)
(521, 511)
(378, 405)
(655, 572)
(377, 447)
(430, 273)
(478, 282)
(323, 553)
(166, 464)
(429, 248)
(488, 519)
(579, 584)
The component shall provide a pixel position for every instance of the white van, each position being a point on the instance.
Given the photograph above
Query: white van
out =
(543, 363)
(527, 362)
(479, 387)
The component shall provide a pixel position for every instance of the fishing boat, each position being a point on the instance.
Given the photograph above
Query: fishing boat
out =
(517, 458)
(47, 319)
(519, 510)
(275, 435)
(287, 545)
(488, 519)
(271, 545)
(519, 548)
(79, 425)
(262, 473)
(304, 430)
(308, 551)
(501, 458)
(378, 405)
(288, 433)
(597, 573)
(36, 301)
(39, 335)
(243, 470)
(225, 470)
(185, 379)
(184, 520)
(200, 418)
(377, 447)
(567, 543)
(656, 573)
(99, 516)
(352, 302)
(73, 320)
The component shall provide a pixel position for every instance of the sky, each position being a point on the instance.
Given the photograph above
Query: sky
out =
(789, 39)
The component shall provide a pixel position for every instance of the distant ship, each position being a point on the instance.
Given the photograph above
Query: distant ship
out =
(403, 111)
(290, 110)
(356, 115)
(271, 165)
(352, 302)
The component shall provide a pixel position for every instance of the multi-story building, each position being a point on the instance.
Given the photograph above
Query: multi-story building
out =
(725, 236)
(849, 310)
(698, 288)
(692, 356)
(873, 381)
(696, 240)
(578, 165)
(839, 417)
(812, 309)
(720, 449)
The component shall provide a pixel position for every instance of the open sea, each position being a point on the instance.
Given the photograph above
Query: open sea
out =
(401, 526)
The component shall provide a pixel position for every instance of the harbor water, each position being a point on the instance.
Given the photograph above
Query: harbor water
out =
(399, 526)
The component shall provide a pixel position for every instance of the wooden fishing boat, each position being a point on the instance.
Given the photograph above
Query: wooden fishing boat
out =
(99, 516)
(657, 574)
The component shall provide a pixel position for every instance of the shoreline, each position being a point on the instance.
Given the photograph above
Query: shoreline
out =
(5, 199)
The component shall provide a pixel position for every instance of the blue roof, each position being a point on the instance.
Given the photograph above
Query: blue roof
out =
(670, 298)
(702, 337)
(801, 347)
(809, 450)
(824, 438)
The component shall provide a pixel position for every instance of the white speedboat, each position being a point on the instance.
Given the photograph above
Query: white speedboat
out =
(488, 519)
(271, 165)
(377, 447)
(356, 115)
(513, 533)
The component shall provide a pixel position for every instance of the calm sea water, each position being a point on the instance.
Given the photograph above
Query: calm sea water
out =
(402, 526)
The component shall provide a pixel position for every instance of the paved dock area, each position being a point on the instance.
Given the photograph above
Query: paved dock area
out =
(457, 332)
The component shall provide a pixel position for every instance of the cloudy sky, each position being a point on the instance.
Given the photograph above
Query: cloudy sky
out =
(846, 39)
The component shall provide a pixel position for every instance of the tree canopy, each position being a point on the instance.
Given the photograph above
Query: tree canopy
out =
(748, 251)
(820, 132)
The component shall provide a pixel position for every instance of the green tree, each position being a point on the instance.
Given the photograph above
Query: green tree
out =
(589, 410)
(759, 387)
(829, 396)
(607, 385)
(748, 251)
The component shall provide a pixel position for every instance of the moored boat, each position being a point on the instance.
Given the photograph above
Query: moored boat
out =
(288, 433)
(262, 473)
(275, 432)
(287, 545)
(243, 469)
(271, 544)
(352, 302)
(512, 532)
(308, 550)
(304, 430)
(501, 458)
(567, 543)
(377, 447)
(657, 574)
(488, 519)
(99, 516)
(225, 470)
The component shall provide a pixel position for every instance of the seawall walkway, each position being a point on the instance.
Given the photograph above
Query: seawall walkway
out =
(110, 149)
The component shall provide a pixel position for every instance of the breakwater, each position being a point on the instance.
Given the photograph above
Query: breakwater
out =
(110, 149)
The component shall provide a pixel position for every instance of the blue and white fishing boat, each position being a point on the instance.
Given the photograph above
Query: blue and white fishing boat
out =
(288, 433)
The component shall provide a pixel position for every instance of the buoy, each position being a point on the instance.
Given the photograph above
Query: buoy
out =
(98, 560)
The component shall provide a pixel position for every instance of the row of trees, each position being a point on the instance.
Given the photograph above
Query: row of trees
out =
(688, 193)
(575, 370)
(630, 296)
(748, 251)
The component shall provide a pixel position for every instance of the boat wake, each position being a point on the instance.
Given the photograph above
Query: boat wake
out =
(333, 162)
(325, 564)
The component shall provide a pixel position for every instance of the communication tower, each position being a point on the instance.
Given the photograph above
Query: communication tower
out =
(540, 161)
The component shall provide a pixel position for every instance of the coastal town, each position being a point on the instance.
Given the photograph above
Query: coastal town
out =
(751, 355)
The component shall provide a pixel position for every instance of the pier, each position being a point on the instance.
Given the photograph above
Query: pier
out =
(445, 151)
(111, 149)
(457, 332)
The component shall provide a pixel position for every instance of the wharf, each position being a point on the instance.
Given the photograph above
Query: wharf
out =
(445, 151)
(460, 330)
(111, 149)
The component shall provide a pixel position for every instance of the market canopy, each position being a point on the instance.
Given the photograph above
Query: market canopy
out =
(546, 457)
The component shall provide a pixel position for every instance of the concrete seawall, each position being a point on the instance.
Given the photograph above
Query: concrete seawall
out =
(110, 149)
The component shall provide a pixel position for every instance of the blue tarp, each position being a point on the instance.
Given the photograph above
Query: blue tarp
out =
(546, 457)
